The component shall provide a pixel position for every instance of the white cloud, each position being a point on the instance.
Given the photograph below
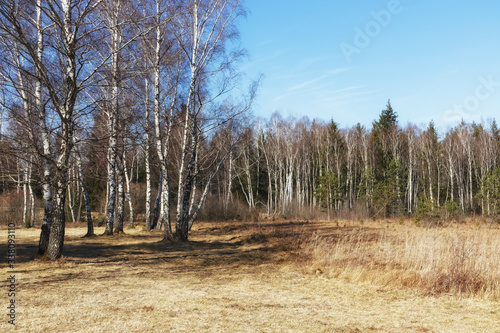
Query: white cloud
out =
(307, 83)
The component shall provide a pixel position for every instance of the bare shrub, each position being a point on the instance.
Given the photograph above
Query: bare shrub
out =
(137, 195)
(11, 208)
(308, 213)
(215, 210)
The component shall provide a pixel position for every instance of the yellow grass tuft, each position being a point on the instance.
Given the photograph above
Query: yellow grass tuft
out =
(441, 260)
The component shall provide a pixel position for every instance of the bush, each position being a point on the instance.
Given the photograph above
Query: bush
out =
(11, 210)
(214, 210)
(451, 209)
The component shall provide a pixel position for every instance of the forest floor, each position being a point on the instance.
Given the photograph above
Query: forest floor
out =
(230, 277)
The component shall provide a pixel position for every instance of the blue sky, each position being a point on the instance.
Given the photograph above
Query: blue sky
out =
(342, 60)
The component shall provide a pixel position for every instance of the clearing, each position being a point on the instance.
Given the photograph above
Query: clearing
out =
(230, 277)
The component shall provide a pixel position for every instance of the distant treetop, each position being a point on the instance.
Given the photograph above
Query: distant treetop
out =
(388, 118)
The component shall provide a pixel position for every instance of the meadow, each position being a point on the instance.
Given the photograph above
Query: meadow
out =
(269, 276)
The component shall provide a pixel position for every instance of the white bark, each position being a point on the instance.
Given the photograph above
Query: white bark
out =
(32, 199)
(411, 161)
(148, 167)
(128, 197)
(46, 166)
(116, 41)
(229, 181)
(162, 138)
(70, 196)
(120, 198)
(25, 193)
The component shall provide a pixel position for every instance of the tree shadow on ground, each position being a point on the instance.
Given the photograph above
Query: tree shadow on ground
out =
(147, 249)
(251, 244)
(146, 253)
(217, 246)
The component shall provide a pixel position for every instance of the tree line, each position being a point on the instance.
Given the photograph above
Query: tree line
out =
(385, 171)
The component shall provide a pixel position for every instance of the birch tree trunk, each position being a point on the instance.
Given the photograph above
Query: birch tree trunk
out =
(156, 215)
(25, 193)
(147, 157)
(411, 147)
(32, 195)
(182, 223)
(195, 174)
(70, 196)
(113, 118)
(46, 153)
(229, 182)
(162, 146)
(80, 199)
(183, 190)
(148, 186)
(88, 210)
(120, 199)
(66, 111)
(128, 197)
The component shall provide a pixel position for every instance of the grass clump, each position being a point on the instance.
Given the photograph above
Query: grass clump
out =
(439, 260)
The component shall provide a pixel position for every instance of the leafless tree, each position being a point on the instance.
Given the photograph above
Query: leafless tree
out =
(63, 74)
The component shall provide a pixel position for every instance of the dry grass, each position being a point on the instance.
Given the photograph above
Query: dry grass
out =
(231, 277)
(462, 260)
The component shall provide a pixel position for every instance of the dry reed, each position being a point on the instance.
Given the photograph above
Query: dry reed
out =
(439, 260)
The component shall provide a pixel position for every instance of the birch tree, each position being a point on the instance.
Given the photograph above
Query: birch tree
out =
(114, 14)
(203, 32)
(70, 34)
(121, 19)
(163, 13)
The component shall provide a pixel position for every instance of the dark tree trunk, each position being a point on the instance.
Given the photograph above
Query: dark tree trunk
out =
(90, 223)
(56, 237)
(182, 226)
(157, 205)
(44, 236)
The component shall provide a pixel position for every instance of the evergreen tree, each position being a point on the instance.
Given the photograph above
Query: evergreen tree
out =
(495, 132)
(431, 130)
(387, 167)
(388, 118)
(491, 185)
(335, 148)
(381, 129)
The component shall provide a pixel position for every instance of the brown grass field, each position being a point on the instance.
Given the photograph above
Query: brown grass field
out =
(340, 276)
